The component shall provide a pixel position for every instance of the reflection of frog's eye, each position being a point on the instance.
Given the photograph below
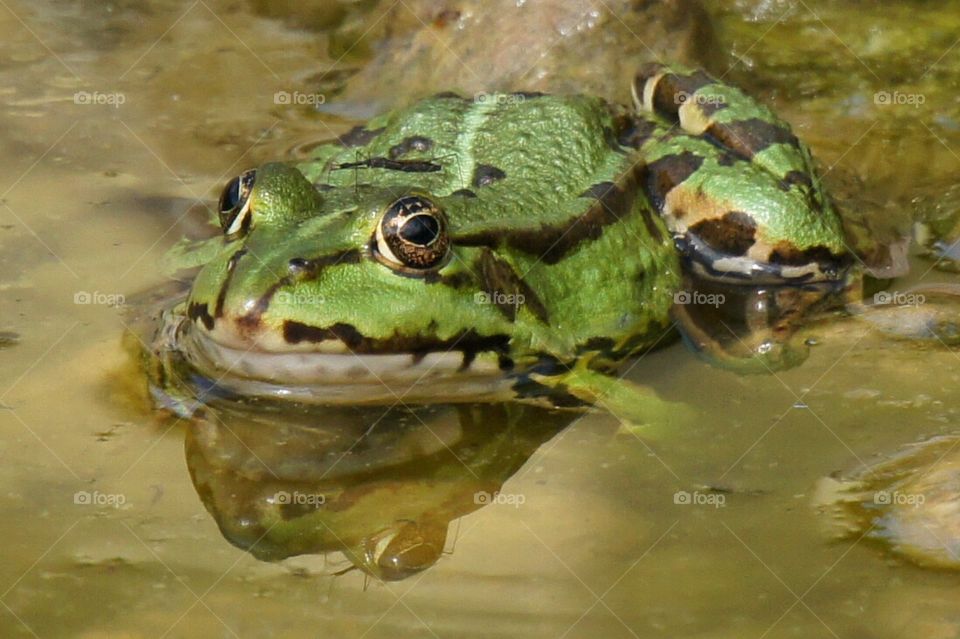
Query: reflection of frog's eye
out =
(404, 549)
(413, 234)
(234, 207)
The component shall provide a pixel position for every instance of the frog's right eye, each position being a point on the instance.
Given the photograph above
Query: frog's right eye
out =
(234, 207)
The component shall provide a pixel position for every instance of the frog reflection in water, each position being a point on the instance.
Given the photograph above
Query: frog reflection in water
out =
(507, 249)
(384, 497)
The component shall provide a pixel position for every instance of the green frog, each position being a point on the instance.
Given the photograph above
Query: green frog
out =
(512, 246)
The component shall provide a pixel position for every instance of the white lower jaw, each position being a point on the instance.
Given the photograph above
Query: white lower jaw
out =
(345, 378)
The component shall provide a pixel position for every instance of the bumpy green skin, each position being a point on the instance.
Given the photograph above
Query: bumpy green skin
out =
(562, 210)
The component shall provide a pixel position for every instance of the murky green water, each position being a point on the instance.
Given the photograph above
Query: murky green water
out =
(118, 117)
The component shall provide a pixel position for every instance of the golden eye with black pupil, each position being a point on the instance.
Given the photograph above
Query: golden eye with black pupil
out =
(234, 206)
(413, 234)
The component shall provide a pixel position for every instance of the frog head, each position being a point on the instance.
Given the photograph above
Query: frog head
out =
(358, 287)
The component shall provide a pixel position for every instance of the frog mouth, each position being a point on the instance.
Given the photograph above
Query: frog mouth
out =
(333, 374)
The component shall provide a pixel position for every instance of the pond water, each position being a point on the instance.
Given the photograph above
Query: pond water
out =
(120, 119)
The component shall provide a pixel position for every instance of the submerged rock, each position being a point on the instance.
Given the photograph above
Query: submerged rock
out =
(909, 503)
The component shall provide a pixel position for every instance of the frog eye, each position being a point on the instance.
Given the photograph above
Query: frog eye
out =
(413, 234)
(234, 207)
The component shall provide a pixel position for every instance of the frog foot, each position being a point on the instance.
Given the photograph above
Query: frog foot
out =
(639, 409)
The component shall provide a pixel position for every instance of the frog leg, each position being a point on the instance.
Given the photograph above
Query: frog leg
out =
(640, 410)
(735, 186)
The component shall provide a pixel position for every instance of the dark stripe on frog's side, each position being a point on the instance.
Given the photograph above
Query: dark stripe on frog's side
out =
(552, 242)
(222, 295)
(665, 173)
(358, 136)
(747, 138)
(617, 202)
(406, 166)
(502, 284)
(417, 143)
(464, 193)
(200, 311)
(733, 234)
(789, 255)
(486, 175)
(301, 270)
(466, 341)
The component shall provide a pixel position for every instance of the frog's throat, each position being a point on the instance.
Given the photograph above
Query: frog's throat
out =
(346, 377)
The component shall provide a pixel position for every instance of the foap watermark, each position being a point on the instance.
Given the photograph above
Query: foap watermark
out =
(700, 98)
(96, 298)
(299, 98)
(696, 498)
(301, 499)
(96, 498)
(697, 298)
(896, 98)
(101, 98)
(483, 498)
(499, 98)
(896, 498)
(299, 298)
(898, 298)
(499, 298)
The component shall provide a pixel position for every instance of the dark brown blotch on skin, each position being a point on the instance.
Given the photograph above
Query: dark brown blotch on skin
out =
(416, 143)
(486, 175)
(727, 159)
(506, 289)
(552, 242)
(636, 132)
(470, 340)
(200, 311)
(665, 173)
(746, 138)
(788, 255)
(458, 280)
(733, 234)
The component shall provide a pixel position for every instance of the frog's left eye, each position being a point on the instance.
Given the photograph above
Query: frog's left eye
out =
(413, 234)
(234, 206)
